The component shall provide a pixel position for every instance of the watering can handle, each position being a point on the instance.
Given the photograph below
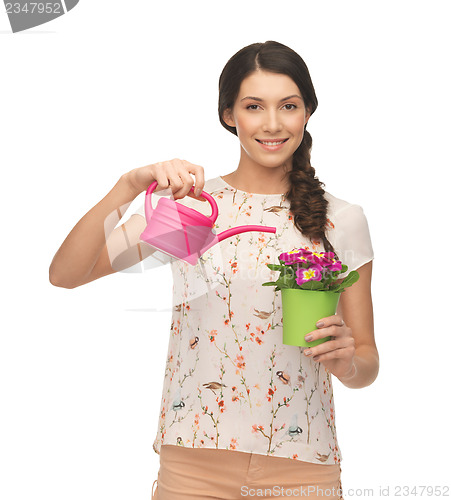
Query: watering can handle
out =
(149, 209)
(147, 203)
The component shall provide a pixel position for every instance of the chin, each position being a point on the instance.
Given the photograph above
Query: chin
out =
(274, 162)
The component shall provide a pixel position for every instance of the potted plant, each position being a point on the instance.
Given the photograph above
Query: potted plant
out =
(310, 289)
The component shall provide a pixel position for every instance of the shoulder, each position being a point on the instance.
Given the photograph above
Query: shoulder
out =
(340, 210)
(212, 184)
(348, 232)
(336, 204)
(346, 220)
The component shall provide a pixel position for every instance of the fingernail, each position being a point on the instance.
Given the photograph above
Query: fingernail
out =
(308, 338)
(319, 324)
(307, 352)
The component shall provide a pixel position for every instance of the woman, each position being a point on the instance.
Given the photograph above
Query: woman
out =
(242, 413)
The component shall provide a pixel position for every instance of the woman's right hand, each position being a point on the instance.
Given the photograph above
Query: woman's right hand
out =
(174, 174)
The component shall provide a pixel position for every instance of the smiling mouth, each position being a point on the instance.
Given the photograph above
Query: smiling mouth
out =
(272, 143)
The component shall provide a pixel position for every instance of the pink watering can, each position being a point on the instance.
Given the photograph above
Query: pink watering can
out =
(183, 232)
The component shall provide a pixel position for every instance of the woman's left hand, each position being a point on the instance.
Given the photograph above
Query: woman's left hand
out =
(336, 354)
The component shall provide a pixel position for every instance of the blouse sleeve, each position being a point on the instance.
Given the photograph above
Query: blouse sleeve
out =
(351, 238)
(140, 211)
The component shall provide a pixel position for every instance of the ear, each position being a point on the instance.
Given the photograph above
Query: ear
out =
(228, 117)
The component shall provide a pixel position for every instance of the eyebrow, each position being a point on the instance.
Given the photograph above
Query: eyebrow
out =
(261, 100)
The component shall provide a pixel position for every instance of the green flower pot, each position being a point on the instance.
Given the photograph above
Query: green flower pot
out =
(301, 309)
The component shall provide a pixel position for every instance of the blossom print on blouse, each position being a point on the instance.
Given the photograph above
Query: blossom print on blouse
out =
(230, 382)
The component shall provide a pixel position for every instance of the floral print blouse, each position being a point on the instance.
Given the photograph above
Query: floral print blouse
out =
(230, 382)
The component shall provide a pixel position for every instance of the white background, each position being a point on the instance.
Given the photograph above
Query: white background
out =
(112, 86)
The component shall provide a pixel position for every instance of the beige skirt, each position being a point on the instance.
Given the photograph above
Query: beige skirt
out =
(200, 473)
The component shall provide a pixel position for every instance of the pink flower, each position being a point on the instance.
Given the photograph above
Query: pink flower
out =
(313, 273)
(307, 257)
(330, 262)
(296, 256)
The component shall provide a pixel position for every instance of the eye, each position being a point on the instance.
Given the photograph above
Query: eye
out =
(250, 105)
(293, 106)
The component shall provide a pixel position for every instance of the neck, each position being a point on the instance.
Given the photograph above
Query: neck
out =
(255, 178)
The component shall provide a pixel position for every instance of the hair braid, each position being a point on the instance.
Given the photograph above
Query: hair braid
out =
(306, 196)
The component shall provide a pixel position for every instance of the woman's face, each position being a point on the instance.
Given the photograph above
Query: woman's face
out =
(269, 107)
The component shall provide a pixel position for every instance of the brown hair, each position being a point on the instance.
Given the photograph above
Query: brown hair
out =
(306, 195)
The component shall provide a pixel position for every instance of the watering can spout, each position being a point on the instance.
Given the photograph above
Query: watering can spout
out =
(236, 230)
(244, 229)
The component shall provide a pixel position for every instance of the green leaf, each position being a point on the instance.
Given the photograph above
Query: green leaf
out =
(350, 279)
(344, 268)
(287, 281)
(268, 283)
(312, 285)
(275, 267)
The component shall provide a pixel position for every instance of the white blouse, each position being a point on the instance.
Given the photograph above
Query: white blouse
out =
(230, 382)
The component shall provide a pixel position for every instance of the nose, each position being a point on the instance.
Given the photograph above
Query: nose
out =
(272, 122)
